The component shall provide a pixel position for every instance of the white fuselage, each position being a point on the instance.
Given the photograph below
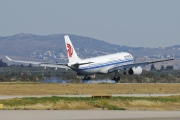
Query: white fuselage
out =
(102, 64)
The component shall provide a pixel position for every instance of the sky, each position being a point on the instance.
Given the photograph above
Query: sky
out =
(136, 23)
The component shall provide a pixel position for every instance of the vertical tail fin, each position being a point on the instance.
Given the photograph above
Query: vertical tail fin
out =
(72, 55)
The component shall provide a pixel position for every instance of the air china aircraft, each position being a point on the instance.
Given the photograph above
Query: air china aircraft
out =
(97, 65)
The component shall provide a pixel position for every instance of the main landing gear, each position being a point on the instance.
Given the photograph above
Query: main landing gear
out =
(86, 78)
(116, 77)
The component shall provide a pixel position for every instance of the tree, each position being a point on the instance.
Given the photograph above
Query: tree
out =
(162, 67)
(169, 67)
(153, 67)
(3, 64)
(30, 65)
(21, 65)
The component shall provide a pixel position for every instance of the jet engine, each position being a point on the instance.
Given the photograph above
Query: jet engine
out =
(135, 70)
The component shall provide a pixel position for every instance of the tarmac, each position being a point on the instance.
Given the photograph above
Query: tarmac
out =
(87, 115)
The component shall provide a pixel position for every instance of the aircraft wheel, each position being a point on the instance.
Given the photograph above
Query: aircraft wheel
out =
(116, 78)
(87, 78)
(125, 73)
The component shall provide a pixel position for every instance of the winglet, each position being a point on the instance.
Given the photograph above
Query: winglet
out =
(8, 58)
(173, 56)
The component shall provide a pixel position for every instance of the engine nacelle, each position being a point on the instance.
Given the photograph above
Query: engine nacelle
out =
(135, 70)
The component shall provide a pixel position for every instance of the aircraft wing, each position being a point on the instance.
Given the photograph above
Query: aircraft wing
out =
(43, 64)
(127, 66)
(55, 65)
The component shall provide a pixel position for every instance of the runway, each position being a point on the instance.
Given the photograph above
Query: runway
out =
(88, 95)
(87, 115)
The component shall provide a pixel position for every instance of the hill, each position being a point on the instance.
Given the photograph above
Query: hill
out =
(52, 47)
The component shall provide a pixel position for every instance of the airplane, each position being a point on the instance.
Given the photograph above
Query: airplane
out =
(112, 63)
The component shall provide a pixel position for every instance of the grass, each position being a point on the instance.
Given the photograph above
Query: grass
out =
(117, 103)
(71, 89)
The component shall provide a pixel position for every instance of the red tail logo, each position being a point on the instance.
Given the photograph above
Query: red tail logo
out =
(70, 50)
